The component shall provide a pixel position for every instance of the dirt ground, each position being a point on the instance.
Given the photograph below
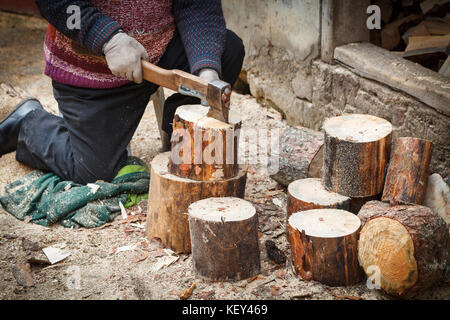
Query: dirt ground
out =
(98, 266)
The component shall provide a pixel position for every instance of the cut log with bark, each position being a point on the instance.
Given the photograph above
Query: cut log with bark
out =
(402, 248)
(307, 194)
(300, 155)
(324, 246)
(224, 236)
(356, 153)
(407, 175)
(204, 148)
(170, 197)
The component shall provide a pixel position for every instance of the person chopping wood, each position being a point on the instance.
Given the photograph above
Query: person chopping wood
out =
(95, 67)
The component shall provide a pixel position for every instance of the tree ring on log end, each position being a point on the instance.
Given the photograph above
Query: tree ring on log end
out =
(386, 252)
(325, 223)
(369, 128)
(222, 209)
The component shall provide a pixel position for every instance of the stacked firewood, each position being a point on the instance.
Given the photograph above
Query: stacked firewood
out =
(417, 30)
(401, 245)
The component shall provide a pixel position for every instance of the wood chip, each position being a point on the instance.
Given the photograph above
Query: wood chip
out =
(140, 257)
(123, 211)
(275, 291)
(162, 262)
(186, 293)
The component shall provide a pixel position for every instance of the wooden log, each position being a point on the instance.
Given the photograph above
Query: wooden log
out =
(324, 246)
(307, 194)
(224, 236)
(402, 248)
(204, 148)
(356, 153)
(421, 45)
(170, 197)
(407, 175)
(390, 35)
(301, 155)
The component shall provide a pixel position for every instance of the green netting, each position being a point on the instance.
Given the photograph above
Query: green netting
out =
(47, 199)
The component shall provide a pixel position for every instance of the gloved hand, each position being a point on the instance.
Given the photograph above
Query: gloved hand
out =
(123, 55)
(208, 75)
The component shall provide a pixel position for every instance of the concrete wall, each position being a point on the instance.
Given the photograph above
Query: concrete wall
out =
(281, 38)
(293, 25)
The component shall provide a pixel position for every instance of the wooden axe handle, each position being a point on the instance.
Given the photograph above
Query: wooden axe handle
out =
(172, 79)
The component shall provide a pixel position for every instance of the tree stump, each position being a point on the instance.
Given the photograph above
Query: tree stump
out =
(407, 175)
(307, 194)
(402, 248)
(324, 246)
(204, 148)
(224, 236)
(356, 152)
(170, 197)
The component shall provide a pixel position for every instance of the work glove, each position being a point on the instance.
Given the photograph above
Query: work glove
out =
(208, 75)
(123, 55)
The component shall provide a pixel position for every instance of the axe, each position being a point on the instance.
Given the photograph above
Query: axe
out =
(216, 93)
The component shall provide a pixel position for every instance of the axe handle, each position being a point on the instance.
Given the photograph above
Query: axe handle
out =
(172, 79)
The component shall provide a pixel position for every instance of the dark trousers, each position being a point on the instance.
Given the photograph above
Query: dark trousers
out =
(89, 142)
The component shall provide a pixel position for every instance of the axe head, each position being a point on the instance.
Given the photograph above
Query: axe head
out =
(218, 98)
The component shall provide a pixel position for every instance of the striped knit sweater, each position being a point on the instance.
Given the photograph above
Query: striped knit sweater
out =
(73, 56)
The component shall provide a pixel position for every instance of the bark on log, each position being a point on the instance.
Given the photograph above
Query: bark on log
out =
(204, 148)
(407, 175)
(301, 155)
(307, 194)
(224, 236)
(170, 197)
(402, 248)
(356, 153)
(324, 246)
